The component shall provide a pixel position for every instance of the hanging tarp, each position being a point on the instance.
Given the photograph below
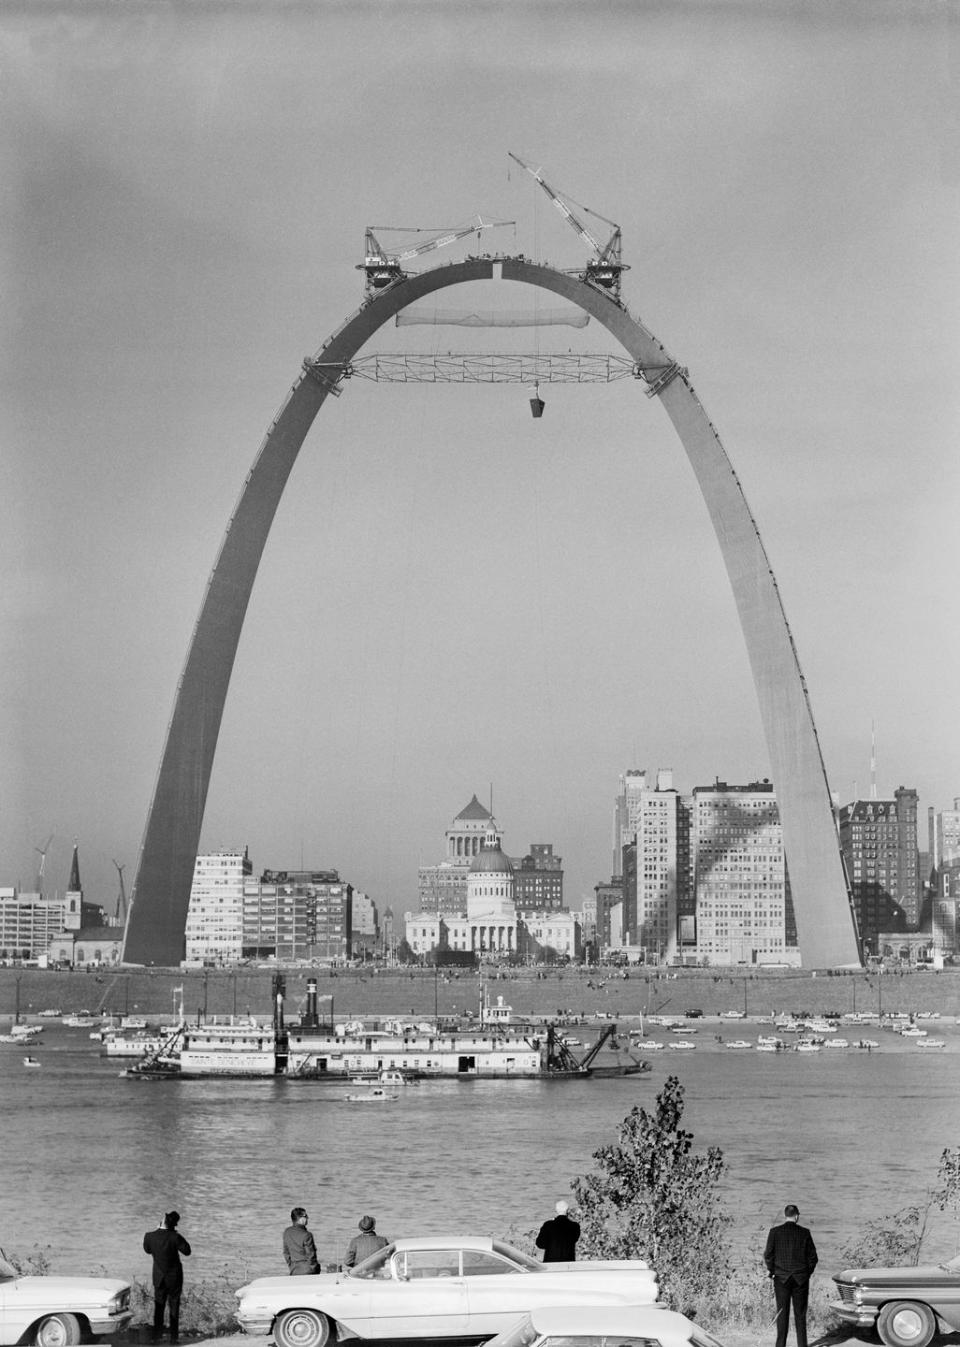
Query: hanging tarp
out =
(423, 314)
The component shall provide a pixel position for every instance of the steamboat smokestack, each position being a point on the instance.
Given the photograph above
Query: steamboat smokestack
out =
(310, 1019)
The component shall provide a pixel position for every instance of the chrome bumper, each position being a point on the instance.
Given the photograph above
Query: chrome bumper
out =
(258, 1326)
(110, 1323)
(860, 1316)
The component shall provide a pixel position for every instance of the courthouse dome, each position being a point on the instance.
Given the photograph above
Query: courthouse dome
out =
(490, 860)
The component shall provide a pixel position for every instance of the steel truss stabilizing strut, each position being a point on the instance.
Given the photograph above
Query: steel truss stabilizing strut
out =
(477, 368)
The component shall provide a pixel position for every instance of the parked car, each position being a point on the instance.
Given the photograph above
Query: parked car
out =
(586, 1326)
(469, 1287)
(906, 1305)
(57, 1311)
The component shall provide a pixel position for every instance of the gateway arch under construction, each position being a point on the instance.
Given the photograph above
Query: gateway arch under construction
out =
(825, 924)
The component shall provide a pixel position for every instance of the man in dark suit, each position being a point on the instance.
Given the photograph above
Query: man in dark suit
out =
(299, 1250)
(790, 1257)
(165, 1245)
(558, 1238)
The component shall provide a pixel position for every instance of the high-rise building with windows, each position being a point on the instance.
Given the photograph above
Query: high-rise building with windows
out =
(214, 930)
(626, 809)
(943, 831)
(365, 925)
(290, 915)
(649, 822)
(879, 842)
(608, 906)
(538, 880)
(29, 922)
(739, 875)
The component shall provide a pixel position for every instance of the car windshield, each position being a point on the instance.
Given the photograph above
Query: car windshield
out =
(523, 1261)
(377, 1265)
(952, 1264)
(521, 1335)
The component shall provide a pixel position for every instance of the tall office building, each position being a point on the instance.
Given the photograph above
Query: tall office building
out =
(626, 809)
(214, 930)
(365, 925)
(29, 922)
(739, 875)
(298, 914)
(879, 842)
(538, 880)
(608, 907)
(945, 909)
(943, 831)
(649, 824)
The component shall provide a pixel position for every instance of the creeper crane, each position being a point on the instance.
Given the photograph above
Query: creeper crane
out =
(383, 268)
(120, 914)
(606, 269)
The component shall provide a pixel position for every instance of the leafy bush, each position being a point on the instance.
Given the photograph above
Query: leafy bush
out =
(34, 1264)
(651, 1198)
(208, 1308)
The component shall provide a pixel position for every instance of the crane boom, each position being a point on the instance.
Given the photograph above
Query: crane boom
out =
(383, 268)
(605, 270)
(560, 204)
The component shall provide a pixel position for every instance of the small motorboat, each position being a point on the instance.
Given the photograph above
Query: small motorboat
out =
(31, 1061)
(392, 1079)
(376, 1095)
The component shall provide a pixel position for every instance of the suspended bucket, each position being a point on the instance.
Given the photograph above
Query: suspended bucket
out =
(536, 402)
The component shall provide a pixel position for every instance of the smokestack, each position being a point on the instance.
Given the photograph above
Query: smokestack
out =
(310, 1020)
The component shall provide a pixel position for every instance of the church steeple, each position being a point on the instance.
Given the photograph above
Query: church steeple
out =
(74, 886)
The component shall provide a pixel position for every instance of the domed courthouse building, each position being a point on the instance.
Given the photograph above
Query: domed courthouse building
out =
(484, 879)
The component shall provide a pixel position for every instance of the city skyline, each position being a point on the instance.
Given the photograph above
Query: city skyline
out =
(455, 594)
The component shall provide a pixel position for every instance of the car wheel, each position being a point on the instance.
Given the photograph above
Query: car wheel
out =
(302, 1328)
(906, 1323)
(58, 1330)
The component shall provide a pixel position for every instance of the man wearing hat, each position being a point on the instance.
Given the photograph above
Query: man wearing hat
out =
(165, 1245)
(558, 1238)
(364, 1244)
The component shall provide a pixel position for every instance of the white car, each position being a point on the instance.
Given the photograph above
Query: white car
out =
(56, 1311)
(433, 1287)
(619, 1325)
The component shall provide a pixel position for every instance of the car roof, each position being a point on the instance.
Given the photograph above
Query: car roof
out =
(644, 1321)
(446, 1242)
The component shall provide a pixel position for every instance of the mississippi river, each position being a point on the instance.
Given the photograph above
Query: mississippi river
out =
(90, 1160)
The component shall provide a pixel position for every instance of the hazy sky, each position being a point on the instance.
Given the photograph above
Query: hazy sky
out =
(454, 595)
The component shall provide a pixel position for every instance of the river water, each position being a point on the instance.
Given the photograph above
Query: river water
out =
(89, 1159)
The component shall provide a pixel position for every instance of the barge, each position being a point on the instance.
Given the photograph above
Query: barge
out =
(312, 1050)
